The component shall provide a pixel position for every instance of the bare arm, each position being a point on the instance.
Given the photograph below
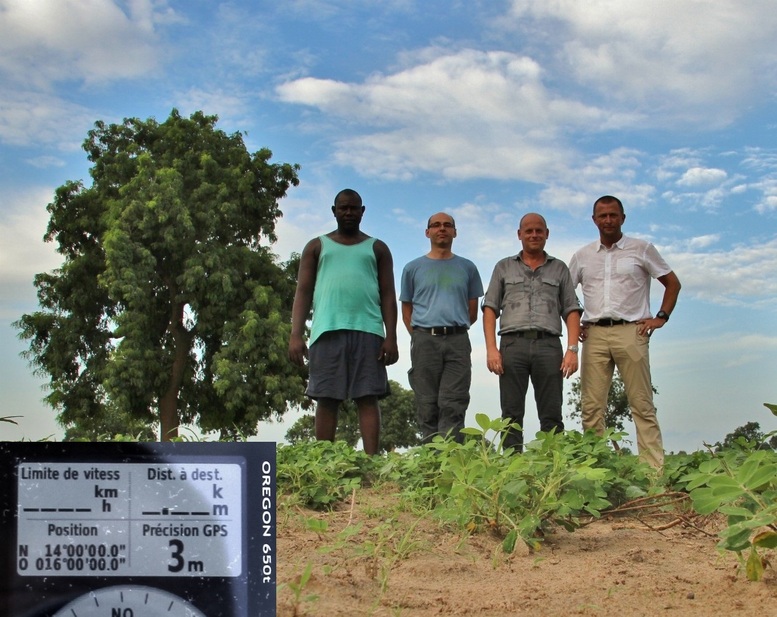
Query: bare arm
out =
(407, 316)
(672, 288)
(570, 362)
(473, 310)
(388, 302)
(493, 355)
(671, 291)
(303, 300)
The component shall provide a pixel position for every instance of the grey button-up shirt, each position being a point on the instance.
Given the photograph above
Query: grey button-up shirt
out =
(526, 299)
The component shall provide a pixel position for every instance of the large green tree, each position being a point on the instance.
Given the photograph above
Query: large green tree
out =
(169, 306)
(399, 427)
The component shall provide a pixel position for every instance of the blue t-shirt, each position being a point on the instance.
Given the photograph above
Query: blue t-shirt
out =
(440, 290)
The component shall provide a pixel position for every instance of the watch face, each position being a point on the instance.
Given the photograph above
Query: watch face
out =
(129, 600)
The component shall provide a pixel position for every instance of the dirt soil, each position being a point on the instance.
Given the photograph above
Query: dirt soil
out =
(374, 559)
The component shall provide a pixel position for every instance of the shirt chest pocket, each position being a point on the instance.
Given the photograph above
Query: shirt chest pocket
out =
(516, 289)
(626, 265)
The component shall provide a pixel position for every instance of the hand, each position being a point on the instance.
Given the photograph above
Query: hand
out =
(569, 364)
(646, 327)
(298, 351)
(389, 352)
(494, 362)
(583, 333)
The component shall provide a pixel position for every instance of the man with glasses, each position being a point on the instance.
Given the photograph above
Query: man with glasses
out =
(439, 295)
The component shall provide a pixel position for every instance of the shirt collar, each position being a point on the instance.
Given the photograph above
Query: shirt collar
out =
(620, 244)
(547, 257)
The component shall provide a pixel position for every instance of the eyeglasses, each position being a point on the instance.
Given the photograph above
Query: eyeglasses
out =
(438, 224)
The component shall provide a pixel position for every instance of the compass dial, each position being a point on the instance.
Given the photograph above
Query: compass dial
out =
(134, 600)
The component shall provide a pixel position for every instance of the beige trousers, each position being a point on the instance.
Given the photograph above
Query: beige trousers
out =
(605, 348)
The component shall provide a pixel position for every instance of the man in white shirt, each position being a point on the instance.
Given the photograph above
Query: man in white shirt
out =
(615, 274)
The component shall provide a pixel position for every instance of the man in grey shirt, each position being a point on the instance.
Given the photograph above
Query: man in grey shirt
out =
(531, 293)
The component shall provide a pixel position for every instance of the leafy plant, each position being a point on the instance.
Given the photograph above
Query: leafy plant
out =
(563, 479)
(742, 486)
(297, 588)
(380, 548)
(516, 496)
(321, 473)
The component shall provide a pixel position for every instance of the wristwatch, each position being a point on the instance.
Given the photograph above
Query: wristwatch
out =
(573, 348)
(663, 315)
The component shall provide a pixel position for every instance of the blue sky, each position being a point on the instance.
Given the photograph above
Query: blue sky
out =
(484, 109)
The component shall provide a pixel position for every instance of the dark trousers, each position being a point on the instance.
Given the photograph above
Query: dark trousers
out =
(538, 360)
(440, 377)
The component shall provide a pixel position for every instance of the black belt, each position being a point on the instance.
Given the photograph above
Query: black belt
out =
(531, 334)
(442, 330)
(609, 322)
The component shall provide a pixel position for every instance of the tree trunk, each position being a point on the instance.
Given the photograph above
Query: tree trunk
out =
(168, 404)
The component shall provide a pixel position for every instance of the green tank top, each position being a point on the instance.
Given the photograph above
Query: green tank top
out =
(346, 295)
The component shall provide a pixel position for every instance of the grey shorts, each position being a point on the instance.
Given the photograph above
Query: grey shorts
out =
(344, 365)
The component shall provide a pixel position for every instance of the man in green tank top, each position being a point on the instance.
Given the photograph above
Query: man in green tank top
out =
(347, 279)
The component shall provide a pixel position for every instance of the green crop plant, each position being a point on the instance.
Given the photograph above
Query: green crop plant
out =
(380, 548)
(742, 485)
(416, 472)
(297, 589)
(555, 480)
(321, 473)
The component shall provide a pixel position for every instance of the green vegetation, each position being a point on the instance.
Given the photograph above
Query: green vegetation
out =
(741, 483)
(169, 308)
(561, 480)
(297, 588)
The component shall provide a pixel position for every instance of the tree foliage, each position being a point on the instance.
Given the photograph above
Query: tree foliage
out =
(618, 410)
(399, 428)
(169, 306)
(749, 435)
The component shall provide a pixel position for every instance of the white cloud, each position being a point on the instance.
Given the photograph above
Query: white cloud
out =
(742, 275)
(701, 242)
(28, 118)
(231, 108)
(613, 173)
(465, 114)
(694, 184)
(45, 161)
(767, 186)
(677, 62)
(23, 253)
(767, 204)
(699, 176)
(47, 42)
(63, 40)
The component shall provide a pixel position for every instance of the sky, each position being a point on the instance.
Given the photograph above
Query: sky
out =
(482, 109)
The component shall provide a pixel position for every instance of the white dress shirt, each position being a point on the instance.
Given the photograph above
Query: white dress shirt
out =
(616, 281)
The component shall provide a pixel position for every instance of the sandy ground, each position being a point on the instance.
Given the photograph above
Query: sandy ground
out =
(374, 559)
